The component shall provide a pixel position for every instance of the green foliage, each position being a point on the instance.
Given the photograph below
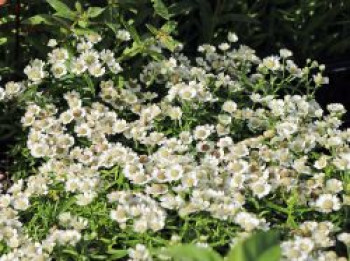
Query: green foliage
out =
(312, 29)
(192, 253)
(262, 246)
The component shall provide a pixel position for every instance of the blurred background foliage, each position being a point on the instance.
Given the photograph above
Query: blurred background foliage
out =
(317, 29)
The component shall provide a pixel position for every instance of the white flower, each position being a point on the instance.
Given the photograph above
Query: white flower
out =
(285, 53)
(58, 70)
(272, 63)
(174, 173)
(229, 106)
(78, 66)
(232, 37)
(52, 43)
(140, 253)
(187, 93)
(337, 108)
(224, 46)
(21, 203)
(345, 238)
(247, 221)
(96, 70)
(319, 79)
(39, 150)
(35, 71)
(115, 67)
(334, 186)
(224, 119)
(90, 57)
(13, 88)
(64, 218)
(224, 142)
(238, 166)
(94, 38)
(66, 117)
(202, 132)
(59, 55)
(123, 35)
(286, 129)
(119, 215)
(327, 203)
(120, 126)
(85, 199)
(5, 201)
(260, 188)
(82, 130)
(175, 113)
(84, 46)
(321, 163)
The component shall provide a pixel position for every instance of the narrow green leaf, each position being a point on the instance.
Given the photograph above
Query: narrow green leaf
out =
(62, 9)
(80, 31)
(117, 254)
(98, 257)
(93, 12)
(161, 9)
(192, 253)
(70, 252)
(78, 7)
(39, 19)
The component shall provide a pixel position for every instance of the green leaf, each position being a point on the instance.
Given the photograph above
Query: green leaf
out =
(93, 12)
(192, 253)
(113, 27)
(133, 50)
(169, 27)
(117, 254)
(163, 35)
(81, 31)
(161, 9)
(70, 252)
(121, 82)
(98, 257)
(3, 40)
(263, 246)
(62, 9)
(39, 19)
(78, 7)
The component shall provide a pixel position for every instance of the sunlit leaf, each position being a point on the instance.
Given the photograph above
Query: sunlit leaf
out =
(263, 246)
(62, 9)
(161, 9)
(192, 253)
(95, 11)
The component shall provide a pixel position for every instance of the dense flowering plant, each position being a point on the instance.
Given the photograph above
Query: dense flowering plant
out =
(205, 151)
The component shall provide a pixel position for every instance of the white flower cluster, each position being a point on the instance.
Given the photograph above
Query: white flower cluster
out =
(139, 253)
(310, 236)
(213, 140)
(142, 209)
